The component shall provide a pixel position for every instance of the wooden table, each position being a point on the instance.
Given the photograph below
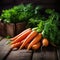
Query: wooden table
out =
(6, 53)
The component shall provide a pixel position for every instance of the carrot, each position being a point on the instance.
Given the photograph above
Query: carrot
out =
(20, 34)
(45, 42)
(36, 46)
(26, 45)
(23, 36)
(16, 44)
(28, 38)
(35, 40)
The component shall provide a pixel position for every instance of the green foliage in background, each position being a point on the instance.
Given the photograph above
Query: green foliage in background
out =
(19, 13)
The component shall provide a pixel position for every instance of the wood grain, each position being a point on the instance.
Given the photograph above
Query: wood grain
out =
(20, 55)
(4, 49)
(58, 53)
(45, 54)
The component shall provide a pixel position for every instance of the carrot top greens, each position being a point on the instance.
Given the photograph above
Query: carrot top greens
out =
(50, 26)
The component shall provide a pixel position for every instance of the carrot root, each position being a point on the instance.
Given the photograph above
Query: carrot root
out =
(22, 37)
(45, 42)
(35, 40)
(20, 34)
(28, 38)
(16, 45)
(36, 46)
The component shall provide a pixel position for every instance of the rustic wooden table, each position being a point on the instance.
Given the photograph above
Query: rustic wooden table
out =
(6, 53)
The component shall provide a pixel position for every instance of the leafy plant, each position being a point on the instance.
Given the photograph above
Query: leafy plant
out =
(50, 27)
(17, 13)
(32, 22)
(6, 15)
(50, 31)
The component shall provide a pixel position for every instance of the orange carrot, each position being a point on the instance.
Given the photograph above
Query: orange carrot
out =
(35, 40)
(20, 34)
(26, 45)
(16, 44)
(28, 39)
(23, 36)
(45, 42)
(36, 46)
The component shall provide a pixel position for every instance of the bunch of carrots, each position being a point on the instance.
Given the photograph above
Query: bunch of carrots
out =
(29, 39)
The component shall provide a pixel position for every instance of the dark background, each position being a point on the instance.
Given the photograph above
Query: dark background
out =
(54, 4)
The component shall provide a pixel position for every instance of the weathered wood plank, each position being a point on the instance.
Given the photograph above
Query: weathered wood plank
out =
(50, 55)
(20, 55)
(10, 29)
(45, 55)
(20, 27)
(37, 56)
(58, 53)
(2, 29)
(3, 42)
(4, 49)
